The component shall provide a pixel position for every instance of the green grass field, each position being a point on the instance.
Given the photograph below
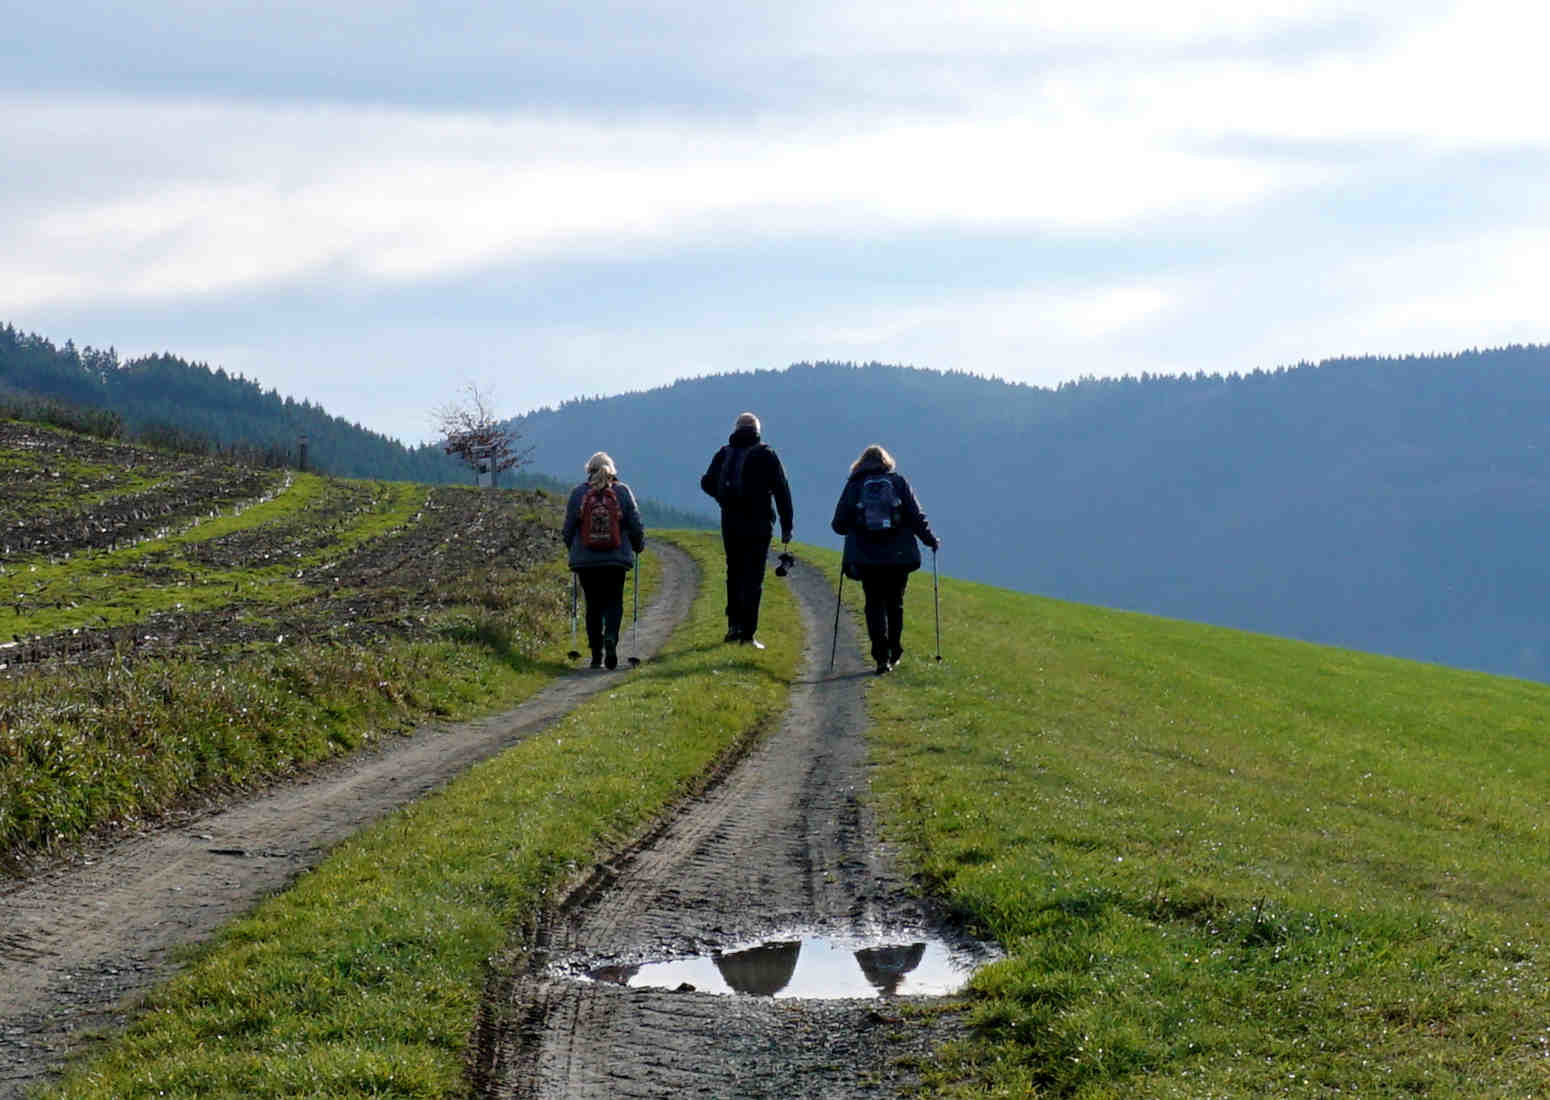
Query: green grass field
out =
(277, 663)
(1222, 864)
(364, 978)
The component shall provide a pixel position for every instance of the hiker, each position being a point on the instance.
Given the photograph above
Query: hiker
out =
(603, 533)
(880, 518)
(745, 476)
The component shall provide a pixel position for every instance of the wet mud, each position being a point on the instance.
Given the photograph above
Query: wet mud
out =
(783, 841)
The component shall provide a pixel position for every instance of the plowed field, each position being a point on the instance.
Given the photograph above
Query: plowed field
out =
(126, 571)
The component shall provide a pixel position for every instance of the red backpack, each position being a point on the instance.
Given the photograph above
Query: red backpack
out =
(600, 519)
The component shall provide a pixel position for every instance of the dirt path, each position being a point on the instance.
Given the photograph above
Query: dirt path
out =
(78, 943)
(782, 846)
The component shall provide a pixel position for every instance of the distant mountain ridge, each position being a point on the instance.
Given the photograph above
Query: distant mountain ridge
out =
(1393, 505)
(226, 409)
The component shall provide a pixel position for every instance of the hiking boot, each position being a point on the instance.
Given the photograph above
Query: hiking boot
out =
(733, 635)
(883, 667)
(597, 658)
(610, 655)
(895, 654)
(755, 642)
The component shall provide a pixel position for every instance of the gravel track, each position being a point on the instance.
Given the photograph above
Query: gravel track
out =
(782, 842)
(80, 942)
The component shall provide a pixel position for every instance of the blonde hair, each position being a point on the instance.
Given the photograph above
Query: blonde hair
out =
(601, 470)
(876, 452)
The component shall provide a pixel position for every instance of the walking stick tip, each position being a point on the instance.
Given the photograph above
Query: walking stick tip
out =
(635, 614)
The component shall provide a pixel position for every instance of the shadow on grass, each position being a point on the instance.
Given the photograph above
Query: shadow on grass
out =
(497, 640)
(711, 647)
(1085, 911)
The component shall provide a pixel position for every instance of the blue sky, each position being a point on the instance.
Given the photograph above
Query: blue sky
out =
(371, 205)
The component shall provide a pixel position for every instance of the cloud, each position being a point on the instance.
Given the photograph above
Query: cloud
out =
(241, 196)
(149, 197)
(982, 26)
(1028, 189)
(1491, 284)
(1046, 334)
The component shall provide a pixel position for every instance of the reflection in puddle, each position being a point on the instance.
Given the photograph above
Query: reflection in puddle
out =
(761, 971)
(887, 967)
(809, 968)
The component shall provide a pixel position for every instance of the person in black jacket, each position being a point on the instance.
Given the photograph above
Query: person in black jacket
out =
(745, 477)
(880, 518)
(601, 568)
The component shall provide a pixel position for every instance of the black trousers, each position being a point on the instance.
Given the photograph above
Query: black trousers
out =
(746, 558)
(883, 586)
(603, 586)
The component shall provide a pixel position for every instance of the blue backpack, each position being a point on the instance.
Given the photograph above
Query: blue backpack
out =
(877, 506)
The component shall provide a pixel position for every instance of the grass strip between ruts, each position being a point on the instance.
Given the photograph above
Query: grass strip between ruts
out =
(1222, 864)
(363, 979)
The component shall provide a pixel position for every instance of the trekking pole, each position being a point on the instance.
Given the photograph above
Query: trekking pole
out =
(936, 601)
(574, 654)
(834, 647)
(635, 619)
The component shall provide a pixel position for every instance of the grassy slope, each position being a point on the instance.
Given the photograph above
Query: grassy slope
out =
(85, 747)
(1222, 864)
(364, 978)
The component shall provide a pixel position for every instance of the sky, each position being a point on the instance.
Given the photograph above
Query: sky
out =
(375, 205)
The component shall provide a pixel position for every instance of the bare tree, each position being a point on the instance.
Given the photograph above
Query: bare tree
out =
(472, 433)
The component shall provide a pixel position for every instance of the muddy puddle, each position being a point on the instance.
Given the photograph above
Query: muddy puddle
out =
(811, 967)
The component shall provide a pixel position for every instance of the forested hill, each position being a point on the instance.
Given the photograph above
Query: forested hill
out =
(162, 393)
(1394, 505)
(168, 400)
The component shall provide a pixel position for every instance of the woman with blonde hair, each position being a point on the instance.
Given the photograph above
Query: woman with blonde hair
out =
(880, 518)
(603, 534)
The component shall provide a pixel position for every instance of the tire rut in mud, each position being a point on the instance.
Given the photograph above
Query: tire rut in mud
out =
(782, 842)
(79, 943)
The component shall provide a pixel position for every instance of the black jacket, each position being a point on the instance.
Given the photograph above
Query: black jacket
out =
(752, 513)
(895, 547)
